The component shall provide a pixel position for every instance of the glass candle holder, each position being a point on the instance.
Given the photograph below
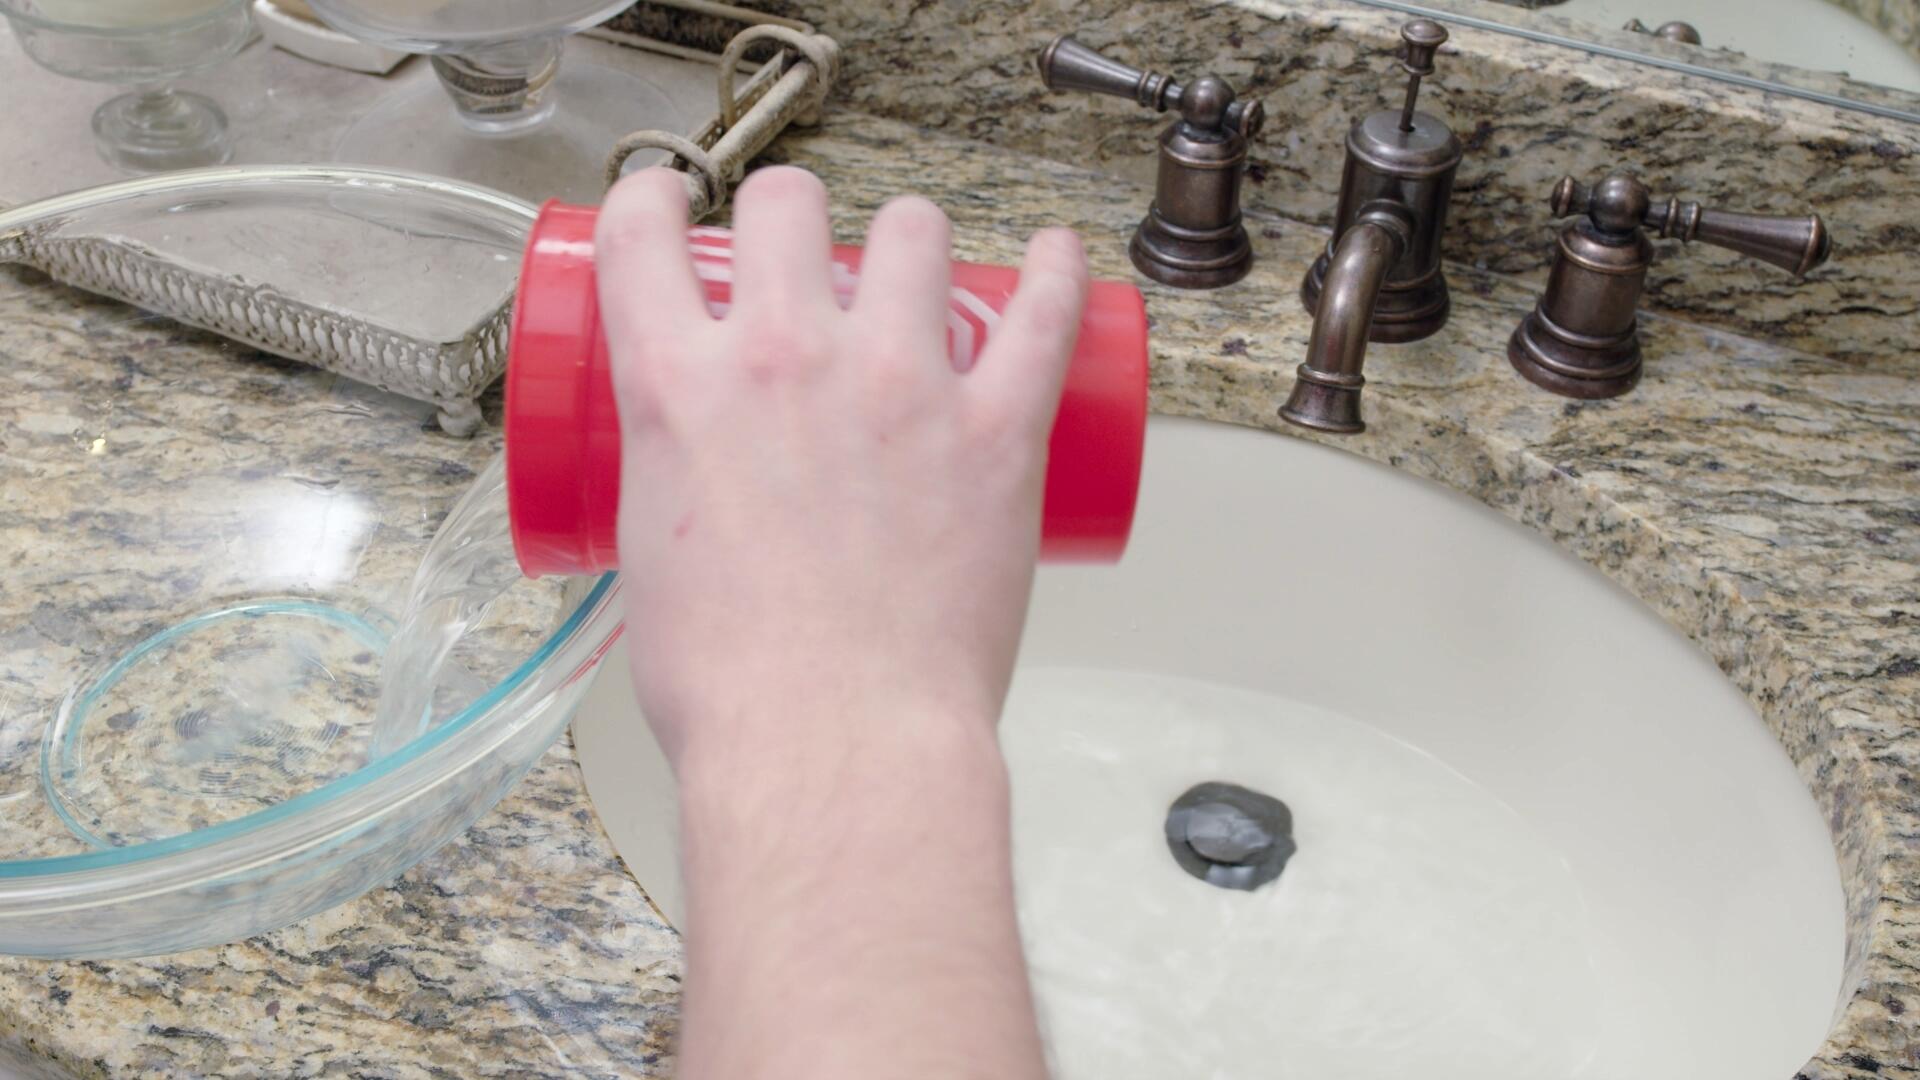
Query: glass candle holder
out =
(526, 123)
(145, 45)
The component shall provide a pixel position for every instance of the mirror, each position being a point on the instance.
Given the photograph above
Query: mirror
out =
(1858, 54)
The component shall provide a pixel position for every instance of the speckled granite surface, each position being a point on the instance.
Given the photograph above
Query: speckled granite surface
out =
(1764, 501)
(1528, 113)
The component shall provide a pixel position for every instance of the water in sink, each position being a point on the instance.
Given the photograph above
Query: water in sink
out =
(1421, 928)
(1602, 818)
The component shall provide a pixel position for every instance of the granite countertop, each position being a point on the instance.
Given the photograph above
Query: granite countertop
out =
(1762, 500)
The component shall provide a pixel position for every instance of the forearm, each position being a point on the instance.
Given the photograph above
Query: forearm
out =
(851, 905)
(828, 530)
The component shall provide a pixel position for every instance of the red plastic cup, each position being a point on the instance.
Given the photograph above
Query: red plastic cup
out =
(563, 433)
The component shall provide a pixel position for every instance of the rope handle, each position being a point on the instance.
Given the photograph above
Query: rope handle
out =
(700, 164)
(707, 167)
(816, 50)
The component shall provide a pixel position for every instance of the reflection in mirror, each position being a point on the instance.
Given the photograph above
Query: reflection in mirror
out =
(1853, 53)
(1820, 35)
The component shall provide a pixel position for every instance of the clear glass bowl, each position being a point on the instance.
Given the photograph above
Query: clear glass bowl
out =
(207, 547)
(146, 44)
(526, 123)
(452, 26)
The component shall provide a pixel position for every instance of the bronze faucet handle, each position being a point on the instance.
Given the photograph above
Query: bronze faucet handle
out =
(1424, 38)
(1193, 236)
(1621, 204)
(1583, 338)
(1209, 104)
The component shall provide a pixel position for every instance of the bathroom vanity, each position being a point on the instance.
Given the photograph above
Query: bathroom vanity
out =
(1759, 489)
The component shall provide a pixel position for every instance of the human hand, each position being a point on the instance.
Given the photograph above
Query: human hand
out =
(820, 516)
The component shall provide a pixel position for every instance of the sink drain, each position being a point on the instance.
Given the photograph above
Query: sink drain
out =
(1230, 836)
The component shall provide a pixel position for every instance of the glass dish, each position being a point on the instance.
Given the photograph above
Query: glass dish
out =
(207, 548)
(145, 44)
(526, 123)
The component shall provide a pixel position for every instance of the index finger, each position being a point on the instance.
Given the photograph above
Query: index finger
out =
(647, 280)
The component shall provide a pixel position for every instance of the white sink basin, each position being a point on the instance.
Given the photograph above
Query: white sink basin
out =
(1539, 834)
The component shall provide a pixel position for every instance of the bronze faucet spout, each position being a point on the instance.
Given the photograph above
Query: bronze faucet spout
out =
(1326, 393)
(1380, 278)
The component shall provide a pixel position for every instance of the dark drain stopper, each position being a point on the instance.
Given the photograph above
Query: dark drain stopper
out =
(1230, 836)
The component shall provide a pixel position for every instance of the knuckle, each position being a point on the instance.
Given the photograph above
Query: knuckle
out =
(902, 342)
(642, 365)
(996, 428)
(1005, 445)
(894, 383)
(641, 389)
(770, 345)
(902, 408)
